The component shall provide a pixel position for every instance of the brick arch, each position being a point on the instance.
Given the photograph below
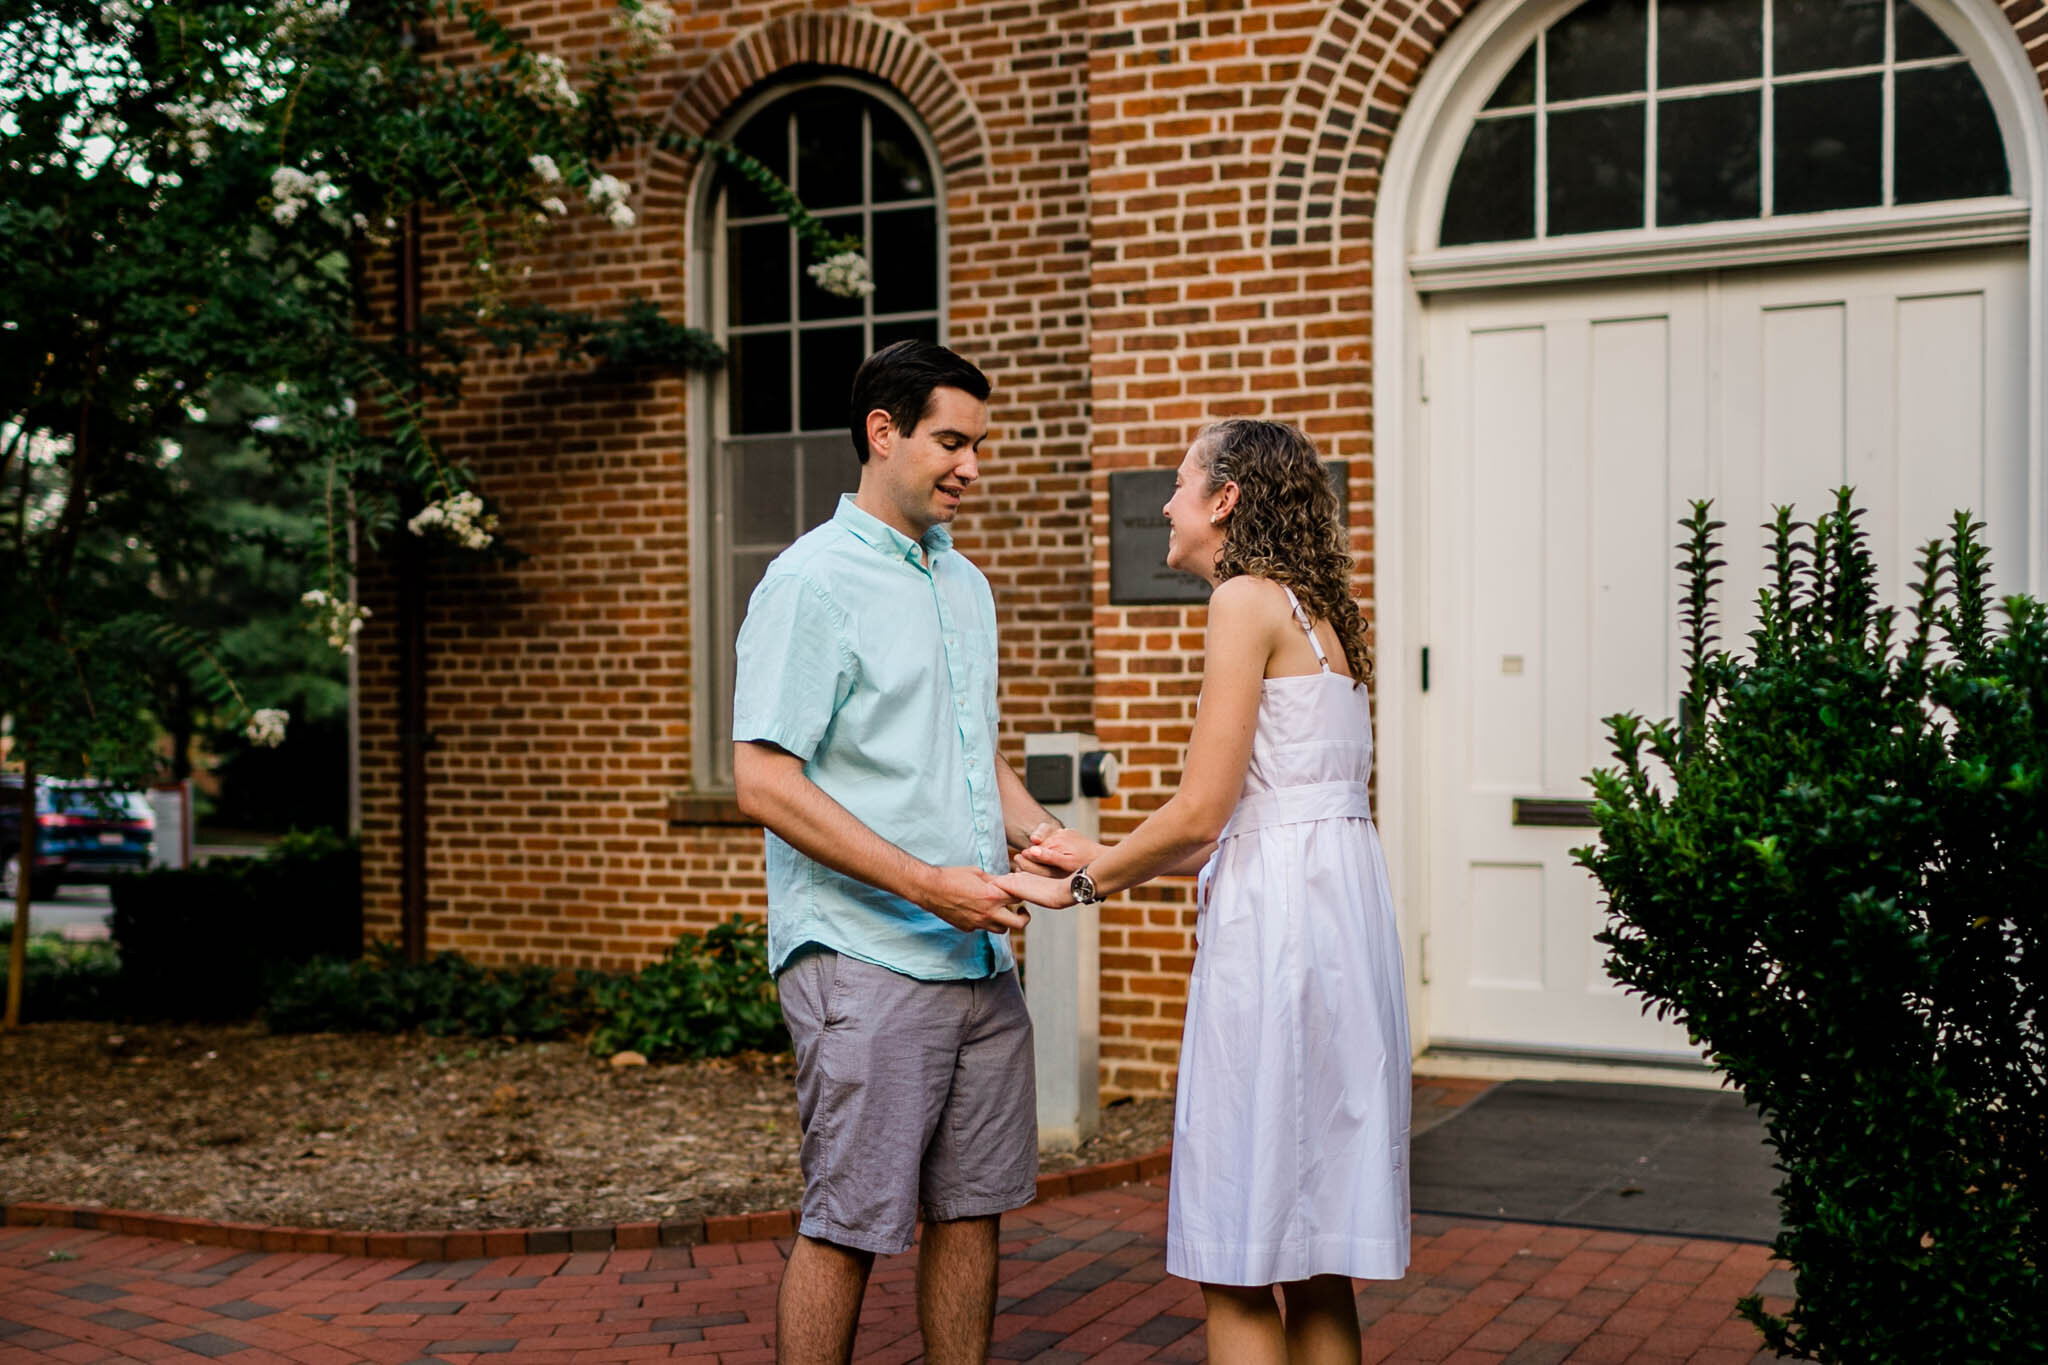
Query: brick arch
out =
(1339, 119)
(1355, 84)
(848, 40)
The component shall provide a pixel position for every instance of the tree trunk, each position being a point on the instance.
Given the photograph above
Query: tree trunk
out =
(24, 893)
(181, 728)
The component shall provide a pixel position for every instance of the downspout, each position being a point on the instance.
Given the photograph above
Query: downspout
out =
(412, 656)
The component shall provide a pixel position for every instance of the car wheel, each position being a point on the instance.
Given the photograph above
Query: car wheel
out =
(41, 889)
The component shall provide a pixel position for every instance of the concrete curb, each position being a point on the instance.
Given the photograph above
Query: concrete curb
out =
(473, 1245)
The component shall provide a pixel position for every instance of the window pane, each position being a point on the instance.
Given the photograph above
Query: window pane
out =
(906, 261)
(1827, 143)
(757, 273)
(1915, 35)
(766, 139)
(900, 171)
(1707, 158)
(889, 333)
(830, 468)
(1596, 169)
(1493, 190)
(1519, 85)
(813, 301)
(1601, 48)
(828, 172)
(1820, 35)
(827, 359)
(757, 368)
(1709, 40)
(1948, 145)
(763, 492)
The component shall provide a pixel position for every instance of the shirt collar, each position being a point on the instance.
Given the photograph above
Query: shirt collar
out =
(886, 538)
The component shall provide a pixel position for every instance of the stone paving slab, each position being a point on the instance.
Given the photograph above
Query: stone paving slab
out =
(1083, 1279)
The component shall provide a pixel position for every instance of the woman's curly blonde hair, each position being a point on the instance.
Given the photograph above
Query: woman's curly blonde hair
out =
(1286, 525)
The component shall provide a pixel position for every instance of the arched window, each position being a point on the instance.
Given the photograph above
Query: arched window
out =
(1632, 114)
(781, 453)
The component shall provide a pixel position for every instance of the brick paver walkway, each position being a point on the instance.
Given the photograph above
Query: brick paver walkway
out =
(1083, 1279)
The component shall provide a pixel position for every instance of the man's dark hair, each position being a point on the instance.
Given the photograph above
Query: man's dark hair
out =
(899, 380)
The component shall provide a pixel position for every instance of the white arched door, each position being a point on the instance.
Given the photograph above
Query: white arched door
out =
(1569, 429)
(1749, 250)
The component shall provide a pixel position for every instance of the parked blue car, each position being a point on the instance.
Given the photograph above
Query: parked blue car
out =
(85, 832)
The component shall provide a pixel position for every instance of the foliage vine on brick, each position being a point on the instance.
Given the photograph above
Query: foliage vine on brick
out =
(1830, 871)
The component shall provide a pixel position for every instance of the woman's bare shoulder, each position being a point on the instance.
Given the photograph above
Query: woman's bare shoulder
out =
(1248, 595)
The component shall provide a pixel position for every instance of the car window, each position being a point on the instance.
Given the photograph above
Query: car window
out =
(102, 803)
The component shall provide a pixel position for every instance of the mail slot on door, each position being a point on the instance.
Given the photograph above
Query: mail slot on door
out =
(1555, 811)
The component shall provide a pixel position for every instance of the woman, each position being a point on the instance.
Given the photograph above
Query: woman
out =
(1291, 1122)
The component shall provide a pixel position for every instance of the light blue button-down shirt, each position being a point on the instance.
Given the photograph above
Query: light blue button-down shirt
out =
(873, 659)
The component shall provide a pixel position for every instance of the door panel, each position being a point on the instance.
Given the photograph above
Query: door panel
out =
(1569, 429)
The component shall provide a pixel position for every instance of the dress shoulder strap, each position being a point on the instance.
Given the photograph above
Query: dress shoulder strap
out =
(1308, 627)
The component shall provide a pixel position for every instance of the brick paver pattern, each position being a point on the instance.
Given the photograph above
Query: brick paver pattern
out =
(1083, 1279)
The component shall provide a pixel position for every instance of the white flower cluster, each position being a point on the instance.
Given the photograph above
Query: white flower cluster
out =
(846, 275)
(266, 728)
(291, 190)
(340, 617)
(548, 173)
(608, 196)
(546, 78)
(460, 518)
(646, 25)
(202, 121)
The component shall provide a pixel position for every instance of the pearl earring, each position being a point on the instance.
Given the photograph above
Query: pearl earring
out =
(1216, 520)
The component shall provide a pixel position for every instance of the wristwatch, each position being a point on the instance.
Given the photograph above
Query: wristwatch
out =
(1083, 889)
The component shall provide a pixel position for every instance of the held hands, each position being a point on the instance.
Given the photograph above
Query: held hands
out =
(968, 899)
(1051, 893)
(1055, 850)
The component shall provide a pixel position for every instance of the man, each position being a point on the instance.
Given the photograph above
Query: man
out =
(864, 728)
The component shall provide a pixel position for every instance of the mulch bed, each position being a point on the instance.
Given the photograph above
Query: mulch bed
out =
(410, 1133)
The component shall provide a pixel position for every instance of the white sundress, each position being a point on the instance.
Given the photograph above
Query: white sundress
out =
(1290, 1128)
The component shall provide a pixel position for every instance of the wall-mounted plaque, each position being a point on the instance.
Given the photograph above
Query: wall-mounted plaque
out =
(1138, 575)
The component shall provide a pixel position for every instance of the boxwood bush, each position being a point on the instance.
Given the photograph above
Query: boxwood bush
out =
(383, 993)
(65, 980)
(1833, 871)
(205, 942)
(710, 996)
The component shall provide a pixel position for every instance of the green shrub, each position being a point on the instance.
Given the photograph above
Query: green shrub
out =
(206, 942)
(383, 993)
(65, 980)
(1840, 890)
(709, 997)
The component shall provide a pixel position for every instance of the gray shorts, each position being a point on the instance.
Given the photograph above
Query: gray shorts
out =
(913, 1095)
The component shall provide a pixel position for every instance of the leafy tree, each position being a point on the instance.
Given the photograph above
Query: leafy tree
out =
(189, 194)
(1830, 871)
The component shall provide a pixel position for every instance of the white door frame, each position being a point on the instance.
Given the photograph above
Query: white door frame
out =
(1417, 173)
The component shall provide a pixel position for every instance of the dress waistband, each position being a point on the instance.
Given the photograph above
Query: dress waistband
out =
(1298, 805)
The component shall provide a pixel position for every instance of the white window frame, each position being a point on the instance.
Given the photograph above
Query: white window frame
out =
(1735, 242)
(709, 425)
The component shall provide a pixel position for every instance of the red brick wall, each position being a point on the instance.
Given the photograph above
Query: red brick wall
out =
(1197, 314)
(561, 696)
(1160, 213)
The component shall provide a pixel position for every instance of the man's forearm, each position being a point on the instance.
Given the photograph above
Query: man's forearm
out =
(808, 820)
